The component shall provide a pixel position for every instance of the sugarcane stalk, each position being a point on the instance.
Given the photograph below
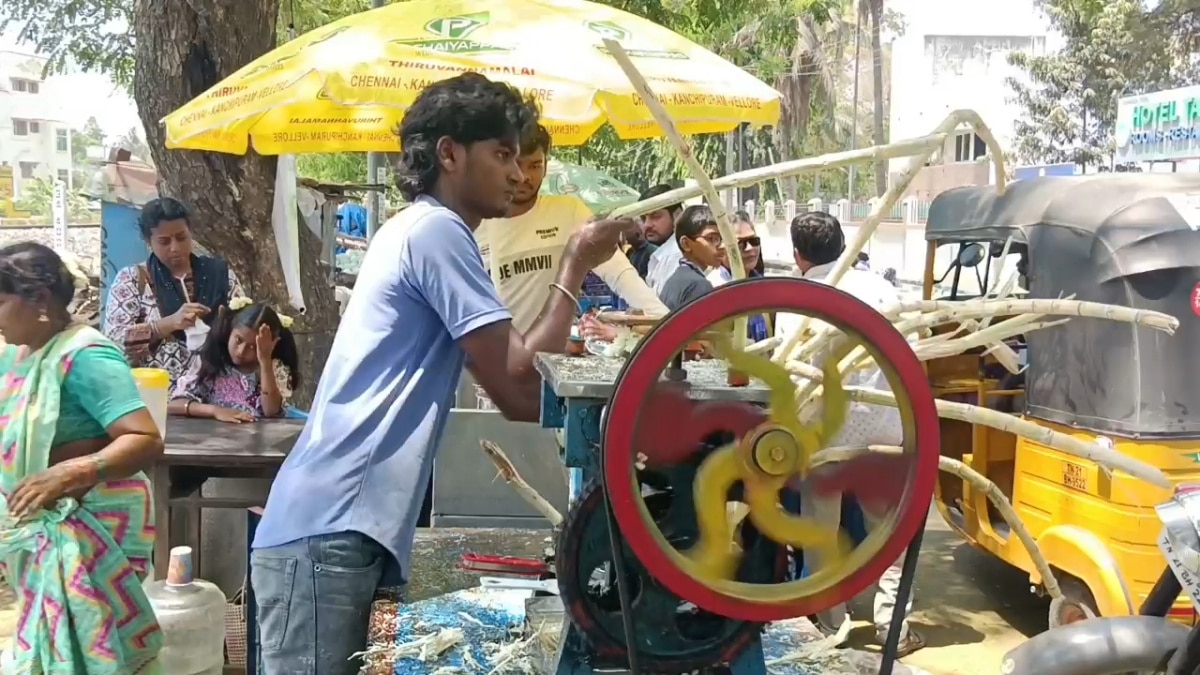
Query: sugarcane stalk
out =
(711, 195)
(509, 473)
(905, 148)
(982, 338)
(915, 163)
(764, 345)
(980, 482)
(974, 309)
(1106, 458)
(937, 312)
(1110, 459)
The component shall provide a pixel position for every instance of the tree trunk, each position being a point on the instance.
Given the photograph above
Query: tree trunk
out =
(183, 49)
(877, 93)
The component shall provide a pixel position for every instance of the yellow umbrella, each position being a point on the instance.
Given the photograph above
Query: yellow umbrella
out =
(344, 87)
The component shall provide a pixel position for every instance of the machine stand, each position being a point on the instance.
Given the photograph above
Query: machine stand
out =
(675, 372)
(575, 658)
(908, 574)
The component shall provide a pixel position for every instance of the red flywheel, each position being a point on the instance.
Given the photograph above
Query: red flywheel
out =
(641, 417)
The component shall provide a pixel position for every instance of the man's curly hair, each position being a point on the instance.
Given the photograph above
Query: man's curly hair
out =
(468, 108)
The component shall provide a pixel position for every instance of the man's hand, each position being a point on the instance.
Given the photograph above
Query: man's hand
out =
(593, 329)
(596, 242)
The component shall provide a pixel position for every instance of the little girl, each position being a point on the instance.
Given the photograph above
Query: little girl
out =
(246, 369)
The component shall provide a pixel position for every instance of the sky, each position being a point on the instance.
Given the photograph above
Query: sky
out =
(112, 107)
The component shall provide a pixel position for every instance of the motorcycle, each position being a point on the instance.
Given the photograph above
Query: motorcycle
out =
(1148, 642)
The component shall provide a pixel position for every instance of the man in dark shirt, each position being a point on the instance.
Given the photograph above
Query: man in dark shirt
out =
(638, 249)
(702, 248)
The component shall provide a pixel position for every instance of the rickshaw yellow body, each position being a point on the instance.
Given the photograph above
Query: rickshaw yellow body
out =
(1099, 532)
(1099, 529)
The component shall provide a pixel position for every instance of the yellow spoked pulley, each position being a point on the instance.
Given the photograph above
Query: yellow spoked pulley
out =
(739, 473)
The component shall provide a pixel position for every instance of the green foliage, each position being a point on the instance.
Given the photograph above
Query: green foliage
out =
(305, 15)
(794, 45)
(338, 168)
(1113, 48)
(133, 141)
(83, 140)
(37, 197)
(93, 34)
(96, 35)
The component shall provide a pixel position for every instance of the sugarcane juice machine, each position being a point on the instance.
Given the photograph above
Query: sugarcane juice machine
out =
(684, 531)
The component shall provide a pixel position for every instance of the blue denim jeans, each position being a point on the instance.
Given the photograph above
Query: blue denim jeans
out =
(324, 583)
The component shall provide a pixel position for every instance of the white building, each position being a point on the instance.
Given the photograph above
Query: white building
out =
(954, 54)
(34, 142)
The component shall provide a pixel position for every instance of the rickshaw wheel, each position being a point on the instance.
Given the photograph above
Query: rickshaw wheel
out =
(764, 456)
(1076, 604)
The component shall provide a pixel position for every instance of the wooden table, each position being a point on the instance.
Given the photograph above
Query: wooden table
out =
(199, 449)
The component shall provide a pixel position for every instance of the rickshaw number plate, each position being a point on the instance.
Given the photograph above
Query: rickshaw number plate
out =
(1196, 300)
(1188, 578)
(1075, 476)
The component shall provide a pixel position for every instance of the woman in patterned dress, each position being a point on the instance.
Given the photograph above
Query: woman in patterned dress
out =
(152, 304)
(76, 527)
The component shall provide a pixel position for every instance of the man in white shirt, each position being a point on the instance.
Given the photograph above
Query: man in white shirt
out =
(817, 242)
(659, 227)
(522, 251)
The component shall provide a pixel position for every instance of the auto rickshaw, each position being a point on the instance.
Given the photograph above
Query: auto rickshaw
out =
(1123, 239)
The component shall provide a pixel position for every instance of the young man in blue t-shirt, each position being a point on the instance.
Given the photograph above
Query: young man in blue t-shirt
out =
(342, 513)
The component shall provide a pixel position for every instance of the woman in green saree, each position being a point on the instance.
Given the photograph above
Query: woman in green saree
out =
(76, 525)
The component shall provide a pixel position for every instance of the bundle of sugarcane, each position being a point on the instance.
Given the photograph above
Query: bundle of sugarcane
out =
(973, 332)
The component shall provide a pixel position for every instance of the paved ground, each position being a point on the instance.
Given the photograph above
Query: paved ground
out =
(970, 607)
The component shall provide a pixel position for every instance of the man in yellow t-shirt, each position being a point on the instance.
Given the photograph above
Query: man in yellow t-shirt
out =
(523, 251)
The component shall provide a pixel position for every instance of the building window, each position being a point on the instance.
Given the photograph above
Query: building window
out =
(25, 86)
(27, 169)
(61, 141)
(969, 147)
(20, 128)
(65, 176)
(35, 127)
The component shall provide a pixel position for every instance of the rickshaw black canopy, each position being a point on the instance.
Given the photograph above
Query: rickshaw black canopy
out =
(1120, 239)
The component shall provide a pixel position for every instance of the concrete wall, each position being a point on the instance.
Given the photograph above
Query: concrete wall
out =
(899, 242)
(38, 150)
(954, 54)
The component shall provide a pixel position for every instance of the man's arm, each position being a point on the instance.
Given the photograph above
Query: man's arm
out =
(448, 271)
(622, 277)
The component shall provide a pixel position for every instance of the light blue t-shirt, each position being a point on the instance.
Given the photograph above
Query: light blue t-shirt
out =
(363, 461)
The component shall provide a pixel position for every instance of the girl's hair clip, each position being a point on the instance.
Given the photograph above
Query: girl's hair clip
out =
(239, 303)
(284, 320)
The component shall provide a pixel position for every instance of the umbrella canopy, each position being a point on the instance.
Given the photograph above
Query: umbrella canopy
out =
(344, 87)
(602, 193)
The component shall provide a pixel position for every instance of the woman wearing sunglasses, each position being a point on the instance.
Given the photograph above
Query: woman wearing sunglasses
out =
(750, 248)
